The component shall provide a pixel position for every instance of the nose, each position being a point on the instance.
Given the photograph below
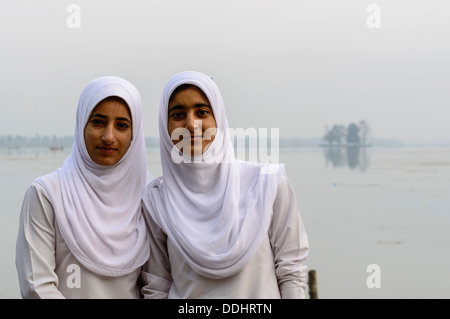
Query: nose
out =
(192, 123)
(108, 135)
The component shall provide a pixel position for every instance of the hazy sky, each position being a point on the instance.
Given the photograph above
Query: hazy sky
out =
(294, 65)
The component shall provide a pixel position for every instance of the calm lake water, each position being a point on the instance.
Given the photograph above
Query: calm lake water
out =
(378, 219)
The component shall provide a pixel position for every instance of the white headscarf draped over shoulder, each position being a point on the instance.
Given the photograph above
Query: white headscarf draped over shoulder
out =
(98, 208)
(215, 209)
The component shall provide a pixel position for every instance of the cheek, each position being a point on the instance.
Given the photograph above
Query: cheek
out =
(127, 138)
(209, 130)
(170, 127)
(210, 123)
(88, 137)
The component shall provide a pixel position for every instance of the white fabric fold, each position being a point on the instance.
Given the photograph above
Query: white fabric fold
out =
(216, 209)
(98, 208)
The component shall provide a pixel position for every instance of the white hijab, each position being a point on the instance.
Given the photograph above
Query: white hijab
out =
(98, 208)
(216, 211)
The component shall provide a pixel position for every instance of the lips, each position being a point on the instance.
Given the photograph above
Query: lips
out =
(196, 138)
(107, 150)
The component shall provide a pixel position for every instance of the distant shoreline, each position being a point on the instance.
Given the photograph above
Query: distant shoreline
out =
(11, 142)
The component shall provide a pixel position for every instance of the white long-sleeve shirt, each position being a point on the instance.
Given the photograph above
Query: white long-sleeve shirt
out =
(276, 271)
(45, 265)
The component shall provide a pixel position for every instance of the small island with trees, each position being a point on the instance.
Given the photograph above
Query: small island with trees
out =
(354, 135)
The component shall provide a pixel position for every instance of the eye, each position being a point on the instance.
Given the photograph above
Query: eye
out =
(176, 115)
(97, 122)
(202, 112)
(123, 126)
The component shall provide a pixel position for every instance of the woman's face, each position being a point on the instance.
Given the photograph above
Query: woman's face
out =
(190, 109)
(108, 132)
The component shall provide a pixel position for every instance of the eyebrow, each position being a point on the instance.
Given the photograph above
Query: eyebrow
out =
(180, 106)
(104, 117)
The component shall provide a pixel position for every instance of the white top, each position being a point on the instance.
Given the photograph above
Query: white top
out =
(47, 268)
(87, 218)
(98, 208)
(228, 225)
(275, 271)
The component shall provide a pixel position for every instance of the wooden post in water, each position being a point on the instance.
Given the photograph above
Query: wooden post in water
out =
(312, 283)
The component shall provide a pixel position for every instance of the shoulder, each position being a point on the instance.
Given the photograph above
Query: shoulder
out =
(149, 178)
(155, 183)
(37, 203)
(49, 180)
(44, 188)
(152, 191)
(39, 184)
(152, 201)
(267, 169)
(284, 184)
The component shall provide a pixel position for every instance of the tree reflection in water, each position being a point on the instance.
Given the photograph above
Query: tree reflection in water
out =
(355, 157)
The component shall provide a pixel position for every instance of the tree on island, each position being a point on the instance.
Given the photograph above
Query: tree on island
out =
(335, 135)
(364, 131)
(354, 134)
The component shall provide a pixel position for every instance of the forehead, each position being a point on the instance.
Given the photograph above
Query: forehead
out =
(112, 105)
(186, 90)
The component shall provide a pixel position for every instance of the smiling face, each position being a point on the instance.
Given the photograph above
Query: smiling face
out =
(108, 132)
(190, 109)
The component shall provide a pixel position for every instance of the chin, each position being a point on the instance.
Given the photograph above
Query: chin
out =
(196, 152)
(106, 162)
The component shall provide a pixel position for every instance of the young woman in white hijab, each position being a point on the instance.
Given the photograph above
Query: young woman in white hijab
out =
(82, 233)
(219, 227)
